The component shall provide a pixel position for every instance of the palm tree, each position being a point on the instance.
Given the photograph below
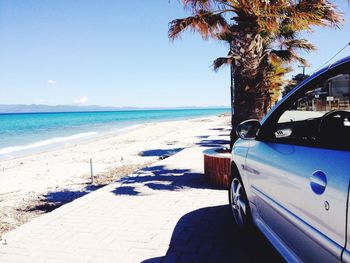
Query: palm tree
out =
(293, 83)
(275, 65)
(260, 33)
(275, 80)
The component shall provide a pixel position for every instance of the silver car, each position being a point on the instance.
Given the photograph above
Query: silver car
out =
(291, 171)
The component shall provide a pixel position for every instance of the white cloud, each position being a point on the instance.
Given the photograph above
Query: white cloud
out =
(51, 82)
(81, 101)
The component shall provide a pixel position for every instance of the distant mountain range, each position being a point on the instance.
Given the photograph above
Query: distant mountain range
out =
(34, 108)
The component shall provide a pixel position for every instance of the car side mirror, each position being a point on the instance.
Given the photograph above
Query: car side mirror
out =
(248, 130)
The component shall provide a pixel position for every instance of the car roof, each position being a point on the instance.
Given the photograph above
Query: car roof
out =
(313, 76)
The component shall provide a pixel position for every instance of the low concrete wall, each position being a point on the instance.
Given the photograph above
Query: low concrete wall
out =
(217, 167)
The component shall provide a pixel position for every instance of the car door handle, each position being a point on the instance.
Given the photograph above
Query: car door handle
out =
(318, 182)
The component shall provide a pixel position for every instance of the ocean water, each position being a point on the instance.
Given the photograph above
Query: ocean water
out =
(33, 132)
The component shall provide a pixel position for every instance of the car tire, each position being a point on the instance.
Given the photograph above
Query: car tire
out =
(238, 201)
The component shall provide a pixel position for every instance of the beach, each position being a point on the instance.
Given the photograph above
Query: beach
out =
(40, 182)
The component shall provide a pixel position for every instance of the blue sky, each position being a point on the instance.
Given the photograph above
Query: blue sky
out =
(114, 53)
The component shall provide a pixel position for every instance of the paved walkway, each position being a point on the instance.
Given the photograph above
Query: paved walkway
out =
(164, 213)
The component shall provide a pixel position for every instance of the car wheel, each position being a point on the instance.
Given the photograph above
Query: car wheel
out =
(239, 203)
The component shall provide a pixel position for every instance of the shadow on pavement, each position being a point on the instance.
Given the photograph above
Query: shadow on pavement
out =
(202, 136)
(214, 143)
(125, 190)
(53, 200)
(224, 135)
(209, 235)
(161, 178)
(160, 152)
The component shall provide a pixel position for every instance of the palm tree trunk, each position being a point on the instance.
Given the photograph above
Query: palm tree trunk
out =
(248, 103)
(247, 73)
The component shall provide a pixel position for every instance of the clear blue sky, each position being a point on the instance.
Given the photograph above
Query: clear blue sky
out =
(116, 53)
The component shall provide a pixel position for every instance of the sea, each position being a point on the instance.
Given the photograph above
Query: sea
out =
(25, 133)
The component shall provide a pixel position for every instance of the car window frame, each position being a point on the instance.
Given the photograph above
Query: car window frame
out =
(268, 127)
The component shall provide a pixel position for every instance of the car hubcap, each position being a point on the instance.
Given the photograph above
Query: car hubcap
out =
(238, 202)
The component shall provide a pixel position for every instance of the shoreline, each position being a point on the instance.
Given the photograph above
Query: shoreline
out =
(65, 143)
(38, 183)
(57, 142)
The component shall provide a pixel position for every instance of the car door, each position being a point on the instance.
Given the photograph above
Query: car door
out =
(301, 169)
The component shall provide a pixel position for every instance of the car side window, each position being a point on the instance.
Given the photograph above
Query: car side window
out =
(318, 117)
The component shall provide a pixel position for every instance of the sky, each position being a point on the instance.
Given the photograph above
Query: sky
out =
(117, 53)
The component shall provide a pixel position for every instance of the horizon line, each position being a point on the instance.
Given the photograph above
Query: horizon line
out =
(84, 109)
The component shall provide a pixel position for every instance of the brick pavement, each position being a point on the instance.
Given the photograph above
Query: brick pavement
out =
(164, 213)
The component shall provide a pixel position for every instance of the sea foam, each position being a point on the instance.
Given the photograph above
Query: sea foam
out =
(43, 143)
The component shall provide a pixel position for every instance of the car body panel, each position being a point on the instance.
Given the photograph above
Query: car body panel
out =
(279, 245)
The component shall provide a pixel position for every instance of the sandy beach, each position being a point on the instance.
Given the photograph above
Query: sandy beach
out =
(39, 183)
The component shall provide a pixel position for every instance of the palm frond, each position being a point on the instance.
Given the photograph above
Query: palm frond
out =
(219, 62)
(285, 30)
(286, 56)
(206, 23)
(306, 14)
(197, 4)
(226, 35)
(298, 44)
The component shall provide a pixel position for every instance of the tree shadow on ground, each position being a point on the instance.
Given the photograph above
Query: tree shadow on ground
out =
(213, 143)
(160, 178)
(125, 190)
(53, 200)
(209, 235)
(160, 152)
(202, 136)
(225, 135)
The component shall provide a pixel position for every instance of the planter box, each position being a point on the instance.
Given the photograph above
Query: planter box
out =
(217, 166)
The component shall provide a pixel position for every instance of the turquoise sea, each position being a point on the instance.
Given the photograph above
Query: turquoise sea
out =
(21, 133)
